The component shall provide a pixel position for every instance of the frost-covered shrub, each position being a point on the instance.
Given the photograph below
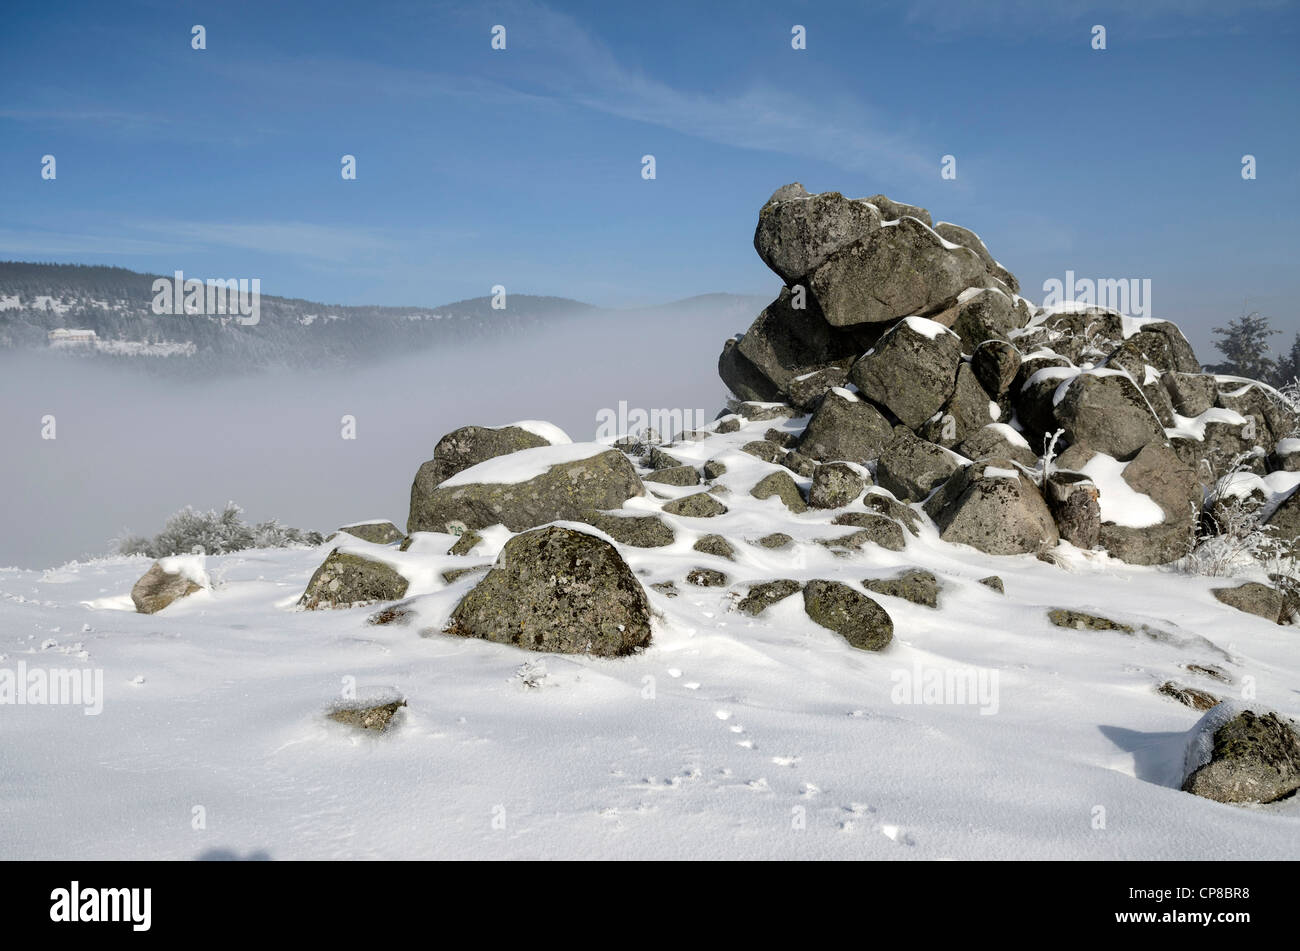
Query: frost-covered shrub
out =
(214, 533)
(1288, 396)
(1231, 536)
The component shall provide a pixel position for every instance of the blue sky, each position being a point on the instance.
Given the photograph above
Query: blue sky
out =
(522, 167)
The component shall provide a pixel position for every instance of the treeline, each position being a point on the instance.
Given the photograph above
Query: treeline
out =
(1247, 351)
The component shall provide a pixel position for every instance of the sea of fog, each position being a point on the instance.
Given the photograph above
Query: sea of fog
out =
(131, 448)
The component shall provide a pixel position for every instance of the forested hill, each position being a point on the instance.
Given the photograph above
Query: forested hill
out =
(117, 305)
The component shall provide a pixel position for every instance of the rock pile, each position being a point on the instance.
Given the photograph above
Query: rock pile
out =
(1018, 426)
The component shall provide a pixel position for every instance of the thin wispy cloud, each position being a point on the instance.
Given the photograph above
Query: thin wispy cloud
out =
(575, 65)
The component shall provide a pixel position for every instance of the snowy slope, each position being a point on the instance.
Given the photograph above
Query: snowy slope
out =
(731, 736)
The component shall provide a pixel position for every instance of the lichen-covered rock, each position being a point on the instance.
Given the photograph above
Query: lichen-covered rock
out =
(846, 428)
(897, 270)
(742, 377)
(1106, 412)
(871, 528)
(557, 589)
(465, 543)
(806, 389)
(564, 490)
(162, 584)
(706, 578)
(854, 616)
(638, 531)
(1190, 394)
(659, 459)
(968, 410)
(377, 717)
(797, 231)
(381, 533)
(995, 507)
(1253, 401)
(1240, 755)
(995, 364)
(912, 370)
(699, 505)
(980, 314)
(998, 441)
(919, 587)
(969, 239)
(1252, 597)
(911, 468)
(891, 210)
(468, 446)
(786, 342)
(781, 485)
(995, 583)
(1083, 621)
(762, 449)
(837, 484)
(799, 464)
(775, 540)
(1074, 501)
(715, 545)
(760, 411)
(675, 475)
(345, 579)
(762, 596)
(1159, 474)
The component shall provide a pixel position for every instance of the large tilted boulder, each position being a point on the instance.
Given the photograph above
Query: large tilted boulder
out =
(168, 580)
(969, 239)
(911, 371)
(346, 579)
(845, 428)
(559, 590)
(900, 269)
(786, 342)
(995, 507)
(528, 488)
(1106, 412)
(796, 231)
(911, 468)
(744, 379)
(1239, 755)
(1190, 393)
(995, 364)
(968, 410)
(980, 314)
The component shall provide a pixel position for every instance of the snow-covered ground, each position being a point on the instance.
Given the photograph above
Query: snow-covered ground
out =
(730, 736)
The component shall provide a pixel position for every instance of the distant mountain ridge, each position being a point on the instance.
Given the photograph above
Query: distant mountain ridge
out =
(37, 299)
